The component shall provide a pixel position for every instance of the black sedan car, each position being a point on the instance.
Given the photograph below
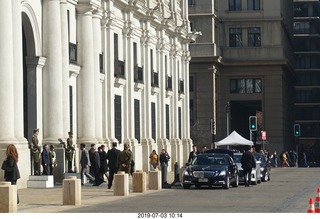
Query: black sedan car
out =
(211, 170)
(265, 167)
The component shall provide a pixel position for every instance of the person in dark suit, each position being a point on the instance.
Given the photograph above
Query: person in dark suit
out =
(85, 164)
(12, 174)
(45, 159)
(193, 154)
(112, 157)
(247, 162)
(95, 165)
(103, 161)
(164, 159)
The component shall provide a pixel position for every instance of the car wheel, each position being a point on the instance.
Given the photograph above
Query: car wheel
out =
(236, 183)
(227, 183)
(266, 177)
(186, 186)
(269, 177)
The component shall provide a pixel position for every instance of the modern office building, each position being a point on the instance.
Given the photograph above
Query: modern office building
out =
(106, 70)
(307, 89)
(242, 66)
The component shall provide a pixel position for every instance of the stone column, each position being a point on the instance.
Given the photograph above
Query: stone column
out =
(86, 91)
(98, 86)
(52, 77)
(146, 140)
(161, 109)
(65, 69)
(108, 39)
(6, 73)
(18, 71)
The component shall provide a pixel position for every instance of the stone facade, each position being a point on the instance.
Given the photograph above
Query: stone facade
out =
(106, 70)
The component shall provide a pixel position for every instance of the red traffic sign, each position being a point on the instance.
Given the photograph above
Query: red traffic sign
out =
(264, 135)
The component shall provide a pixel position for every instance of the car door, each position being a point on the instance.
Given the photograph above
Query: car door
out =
(233, 169)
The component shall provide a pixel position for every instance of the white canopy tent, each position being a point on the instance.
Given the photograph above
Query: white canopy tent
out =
(234, 139)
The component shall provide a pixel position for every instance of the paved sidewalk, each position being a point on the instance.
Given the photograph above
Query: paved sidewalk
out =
(50, 200)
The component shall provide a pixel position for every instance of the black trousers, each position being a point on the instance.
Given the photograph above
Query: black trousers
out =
(111, 175)
(247, 176)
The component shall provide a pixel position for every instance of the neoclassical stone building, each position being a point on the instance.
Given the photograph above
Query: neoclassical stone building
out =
(108, 70)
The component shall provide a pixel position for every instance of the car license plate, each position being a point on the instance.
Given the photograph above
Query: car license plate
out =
(203, 180)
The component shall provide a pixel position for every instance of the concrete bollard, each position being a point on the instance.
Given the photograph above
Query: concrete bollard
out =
(121, 184)
(155, 180)
(139, 183)
(71, 191)
(8, 200)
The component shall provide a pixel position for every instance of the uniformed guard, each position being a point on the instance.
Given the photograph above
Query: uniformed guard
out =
(125, 157)
(36, 151)
(69, 152)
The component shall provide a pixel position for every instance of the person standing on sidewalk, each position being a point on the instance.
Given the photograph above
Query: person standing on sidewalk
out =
(45, 159)
(36, 151)
(193, 154)
(164, 159)
(247, 162)
(112, 157)
(154, 160)
(125, 158)
(11, 172)
(85, 164)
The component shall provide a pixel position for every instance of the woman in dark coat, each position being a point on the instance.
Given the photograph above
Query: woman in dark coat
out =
(12, 174)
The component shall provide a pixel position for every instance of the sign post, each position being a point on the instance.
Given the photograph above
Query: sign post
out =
(263, 137)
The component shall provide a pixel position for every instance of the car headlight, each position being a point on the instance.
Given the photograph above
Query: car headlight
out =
(261, 169)
(222, 173)
(187, 173)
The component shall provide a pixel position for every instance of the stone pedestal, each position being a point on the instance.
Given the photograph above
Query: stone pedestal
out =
(43, 181)
(8, 200)
(71, 191)
(121, 184)
(77, 175)
(155, 180)
(139, 181)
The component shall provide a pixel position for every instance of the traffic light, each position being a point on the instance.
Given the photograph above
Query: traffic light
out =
(296, 129)
(253, 123)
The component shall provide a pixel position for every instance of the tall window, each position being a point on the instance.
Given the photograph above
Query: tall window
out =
(151, 60)
(117, 117)
(167, 121)
(153, 121)
(179, 121)
(190, 2)
(137, 119)
(254, 37)
(115, 43)
(253, 4)
(71, 107)
(235, 5)
(235, 37)
(135, 56)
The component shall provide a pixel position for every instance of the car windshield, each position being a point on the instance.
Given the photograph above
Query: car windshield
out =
(237, 158)
(260, 157)
(210, 160)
